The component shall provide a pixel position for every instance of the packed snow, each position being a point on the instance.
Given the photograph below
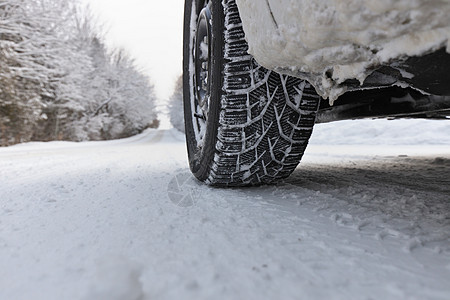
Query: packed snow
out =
(365, 216)
(330, 41)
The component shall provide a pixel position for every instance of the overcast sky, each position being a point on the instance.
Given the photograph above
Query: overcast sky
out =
(150, 31)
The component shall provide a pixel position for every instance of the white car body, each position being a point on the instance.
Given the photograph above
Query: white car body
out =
(330, 41)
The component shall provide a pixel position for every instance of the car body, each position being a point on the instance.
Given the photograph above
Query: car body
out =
(333, 43)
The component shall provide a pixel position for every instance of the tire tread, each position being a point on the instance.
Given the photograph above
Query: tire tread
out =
(265, 120)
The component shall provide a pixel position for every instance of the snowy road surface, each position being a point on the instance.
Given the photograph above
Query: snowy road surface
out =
(125, 220)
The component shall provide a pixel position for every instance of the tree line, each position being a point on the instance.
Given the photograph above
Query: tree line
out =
(58, 81)
(176, 110)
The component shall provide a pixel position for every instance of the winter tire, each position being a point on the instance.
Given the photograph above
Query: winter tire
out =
(245, 125)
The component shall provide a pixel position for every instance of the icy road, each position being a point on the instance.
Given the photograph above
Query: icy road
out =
(365, 216)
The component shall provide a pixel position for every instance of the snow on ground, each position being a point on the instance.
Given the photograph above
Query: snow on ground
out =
(365, 216)
(383, 132)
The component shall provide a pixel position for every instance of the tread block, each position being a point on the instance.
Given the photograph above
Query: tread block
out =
(265, 120)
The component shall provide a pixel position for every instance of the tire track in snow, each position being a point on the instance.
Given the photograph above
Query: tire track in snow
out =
(291, 231)
(407, 198)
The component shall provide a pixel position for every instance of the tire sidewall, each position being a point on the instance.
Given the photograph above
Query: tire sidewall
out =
(201, 159)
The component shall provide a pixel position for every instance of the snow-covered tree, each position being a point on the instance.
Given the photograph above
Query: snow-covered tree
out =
(68, 64)
(22, 76)
(176, 106)
(58, 80)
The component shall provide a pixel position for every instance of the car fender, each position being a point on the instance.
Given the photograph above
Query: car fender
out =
(329, 42)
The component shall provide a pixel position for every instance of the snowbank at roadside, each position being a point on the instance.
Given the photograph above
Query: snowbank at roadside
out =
(383, 132)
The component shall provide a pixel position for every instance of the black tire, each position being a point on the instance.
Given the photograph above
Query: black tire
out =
(257, 123)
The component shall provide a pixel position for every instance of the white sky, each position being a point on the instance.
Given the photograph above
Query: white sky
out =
(150, 31)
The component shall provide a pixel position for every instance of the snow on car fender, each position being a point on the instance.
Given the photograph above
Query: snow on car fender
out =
(330, 41)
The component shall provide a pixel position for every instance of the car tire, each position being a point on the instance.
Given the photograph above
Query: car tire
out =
(245, 125)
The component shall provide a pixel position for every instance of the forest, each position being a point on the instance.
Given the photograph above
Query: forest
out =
(58, 80)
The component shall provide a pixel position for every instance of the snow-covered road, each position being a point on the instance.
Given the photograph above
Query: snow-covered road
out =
(125, 220)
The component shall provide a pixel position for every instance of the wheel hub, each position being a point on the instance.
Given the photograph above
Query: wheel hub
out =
(202, 75)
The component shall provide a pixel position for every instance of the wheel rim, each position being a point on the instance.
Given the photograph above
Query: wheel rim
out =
(202, 73)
